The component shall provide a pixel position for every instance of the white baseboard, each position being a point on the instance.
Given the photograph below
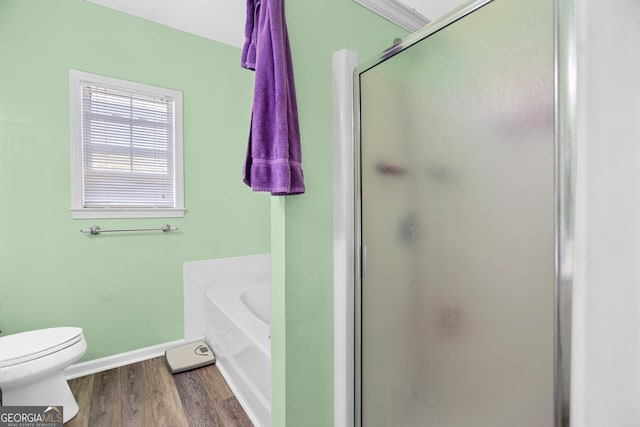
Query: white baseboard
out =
(122, 359)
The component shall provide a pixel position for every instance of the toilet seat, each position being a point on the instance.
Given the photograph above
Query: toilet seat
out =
(26, 346)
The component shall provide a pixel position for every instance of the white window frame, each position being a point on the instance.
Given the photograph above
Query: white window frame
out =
(78, 211)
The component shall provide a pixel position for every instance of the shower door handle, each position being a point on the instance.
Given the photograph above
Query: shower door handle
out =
(363, 261)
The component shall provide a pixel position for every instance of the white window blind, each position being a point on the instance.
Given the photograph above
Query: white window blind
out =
(128, 140)
(127, 143)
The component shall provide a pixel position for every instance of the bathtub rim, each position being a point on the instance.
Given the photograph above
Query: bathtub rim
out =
(229, 302)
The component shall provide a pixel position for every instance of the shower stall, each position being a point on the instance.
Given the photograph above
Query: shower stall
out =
(464, 221)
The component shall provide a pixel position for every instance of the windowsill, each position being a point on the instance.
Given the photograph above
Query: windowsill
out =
(90, 213)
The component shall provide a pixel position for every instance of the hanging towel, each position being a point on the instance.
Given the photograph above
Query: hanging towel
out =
(274, 156)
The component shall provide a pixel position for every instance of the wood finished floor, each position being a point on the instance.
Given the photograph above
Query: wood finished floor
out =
(147, 394)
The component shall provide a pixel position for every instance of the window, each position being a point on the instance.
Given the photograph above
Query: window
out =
(126, 145)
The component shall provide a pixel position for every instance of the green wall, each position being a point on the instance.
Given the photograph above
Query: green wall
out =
(125, 290)
(302, 226)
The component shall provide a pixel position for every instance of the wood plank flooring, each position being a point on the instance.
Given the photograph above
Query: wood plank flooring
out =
(147, 394)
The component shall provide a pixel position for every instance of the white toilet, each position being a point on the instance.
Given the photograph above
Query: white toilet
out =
(32, 365)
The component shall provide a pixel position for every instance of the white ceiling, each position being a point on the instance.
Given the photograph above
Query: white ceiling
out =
(223, 20)
(219, 20)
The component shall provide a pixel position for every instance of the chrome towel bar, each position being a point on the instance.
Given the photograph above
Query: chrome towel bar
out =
(94, 229)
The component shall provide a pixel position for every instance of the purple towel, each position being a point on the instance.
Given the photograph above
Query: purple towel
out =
(273, 156)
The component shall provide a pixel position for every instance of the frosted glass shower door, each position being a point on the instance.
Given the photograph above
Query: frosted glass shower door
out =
(457, 225)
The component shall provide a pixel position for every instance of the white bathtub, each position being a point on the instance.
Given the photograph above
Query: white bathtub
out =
(237, 328)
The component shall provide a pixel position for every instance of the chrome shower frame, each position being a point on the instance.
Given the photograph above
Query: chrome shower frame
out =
(565, 178)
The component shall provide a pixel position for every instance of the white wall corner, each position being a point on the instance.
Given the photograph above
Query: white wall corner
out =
(396, 12)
